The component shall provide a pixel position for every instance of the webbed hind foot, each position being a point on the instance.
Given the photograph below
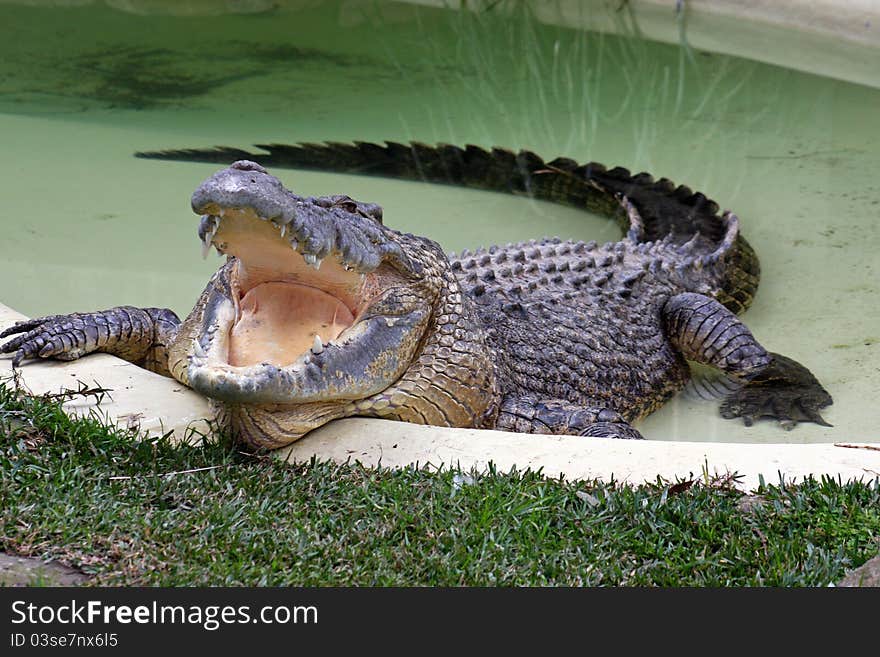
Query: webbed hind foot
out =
(785, 390)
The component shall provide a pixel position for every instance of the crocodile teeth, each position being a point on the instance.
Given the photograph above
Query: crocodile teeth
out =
(197, 349)
(317, 346)
(313, 261)
(283, 229)
(294, 244)
(209, 235)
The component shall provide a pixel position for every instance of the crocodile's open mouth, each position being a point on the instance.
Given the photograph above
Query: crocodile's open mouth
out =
(288, 302)
(316, 304)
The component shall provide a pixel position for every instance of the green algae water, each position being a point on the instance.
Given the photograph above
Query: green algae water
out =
(86, 226)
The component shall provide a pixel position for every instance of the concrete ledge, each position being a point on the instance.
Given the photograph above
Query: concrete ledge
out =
(834, 38)
(396, 444)
(157, 405)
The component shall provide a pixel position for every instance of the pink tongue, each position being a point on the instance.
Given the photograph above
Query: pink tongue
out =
(279, 322)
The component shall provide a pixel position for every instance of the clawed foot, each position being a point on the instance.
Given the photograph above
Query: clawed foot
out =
(785, 391)
(58, 336)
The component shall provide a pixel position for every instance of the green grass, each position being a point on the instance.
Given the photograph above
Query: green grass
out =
(123, 511)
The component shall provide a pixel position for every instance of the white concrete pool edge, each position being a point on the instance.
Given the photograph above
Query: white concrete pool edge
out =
(833, 38)
(157, 405)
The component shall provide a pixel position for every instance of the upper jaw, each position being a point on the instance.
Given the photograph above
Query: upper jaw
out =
(264, 254)
(314, 227)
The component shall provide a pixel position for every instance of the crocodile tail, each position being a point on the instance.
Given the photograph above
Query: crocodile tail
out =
(647, 210)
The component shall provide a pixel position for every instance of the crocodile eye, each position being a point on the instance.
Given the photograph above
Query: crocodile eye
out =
(372, 210)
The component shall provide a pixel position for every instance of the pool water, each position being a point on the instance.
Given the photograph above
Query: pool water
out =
(85, 225)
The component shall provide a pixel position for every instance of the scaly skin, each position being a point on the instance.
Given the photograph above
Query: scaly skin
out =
(547, 336)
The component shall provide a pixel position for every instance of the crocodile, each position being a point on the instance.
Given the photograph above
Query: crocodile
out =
(321, 311)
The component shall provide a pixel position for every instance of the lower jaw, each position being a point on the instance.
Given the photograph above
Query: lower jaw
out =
(268, 427)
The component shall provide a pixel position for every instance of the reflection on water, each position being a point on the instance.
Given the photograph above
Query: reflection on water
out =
(85, 225)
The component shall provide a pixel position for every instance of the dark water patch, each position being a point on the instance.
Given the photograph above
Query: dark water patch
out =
(136, 78)
(107, 61)
(141, 78)
(282, 54)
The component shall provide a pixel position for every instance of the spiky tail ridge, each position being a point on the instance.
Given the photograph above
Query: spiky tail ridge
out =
(664, 209)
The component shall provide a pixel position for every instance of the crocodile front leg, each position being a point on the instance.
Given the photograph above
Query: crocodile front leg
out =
(556, 416)
(138, 335)
(774, 386)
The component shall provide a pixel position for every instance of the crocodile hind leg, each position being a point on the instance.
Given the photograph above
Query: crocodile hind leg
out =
(774, 386)
(138, 335)
(556, 416)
